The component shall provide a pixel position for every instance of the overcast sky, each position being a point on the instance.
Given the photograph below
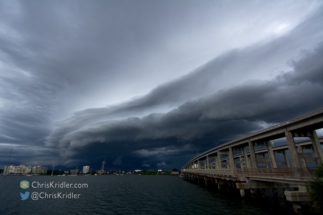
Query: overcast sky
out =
(150, 84)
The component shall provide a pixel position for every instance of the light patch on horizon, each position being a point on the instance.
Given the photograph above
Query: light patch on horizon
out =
(163, 163)
(282, 28)
(161, 151)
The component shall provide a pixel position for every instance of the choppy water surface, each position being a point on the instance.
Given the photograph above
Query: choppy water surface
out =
(131, 194)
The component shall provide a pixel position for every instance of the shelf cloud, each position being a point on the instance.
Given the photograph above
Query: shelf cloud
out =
(151, 84)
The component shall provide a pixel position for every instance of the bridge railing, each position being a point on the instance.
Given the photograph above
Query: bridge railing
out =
(223, 172)
(304, 174)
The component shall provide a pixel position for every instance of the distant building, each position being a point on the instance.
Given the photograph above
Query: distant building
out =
(74, 171)
(86, 169)
(39, 170)
(22, 169)
(101, 172)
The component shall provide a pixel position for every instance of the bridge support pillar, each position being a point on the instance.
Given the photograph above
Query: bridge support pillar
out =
(296, 197)
(245, 158)
(253, 193)
(263, 193)
(218, 161)
(317, 146)
(286, 158)
(275, 193)
(231, 159)
(271, 155)
(242, 193)
(292, 149)
(252, 155)
(303, 161)
(205, 180)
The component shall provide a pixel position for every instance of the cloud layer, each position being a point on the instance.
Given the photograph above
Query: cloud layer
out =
(204, 122)
(151, 84)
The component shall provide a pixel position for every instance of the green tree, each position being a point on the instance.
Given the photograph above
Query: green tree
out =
(316, 188)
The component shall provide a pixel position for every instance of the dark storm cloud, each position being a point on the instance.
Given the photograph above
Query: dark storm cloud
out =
(205, 122)
(49, 48)
(57, 58)
(207, 79)
(229, 68)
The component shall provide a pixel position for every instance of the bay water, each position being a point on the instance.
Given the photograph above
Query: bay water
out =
(127, 194)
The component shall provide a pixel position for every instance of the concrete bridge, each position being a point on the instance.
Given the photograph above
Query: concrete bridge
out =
(257, 161)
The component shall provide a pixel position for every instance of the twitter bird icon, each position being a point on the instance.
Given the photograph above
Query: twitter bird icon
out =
(24, 196)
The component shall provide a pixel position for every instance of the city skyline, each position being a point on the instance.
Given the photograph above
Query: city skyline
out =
(150, 85)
